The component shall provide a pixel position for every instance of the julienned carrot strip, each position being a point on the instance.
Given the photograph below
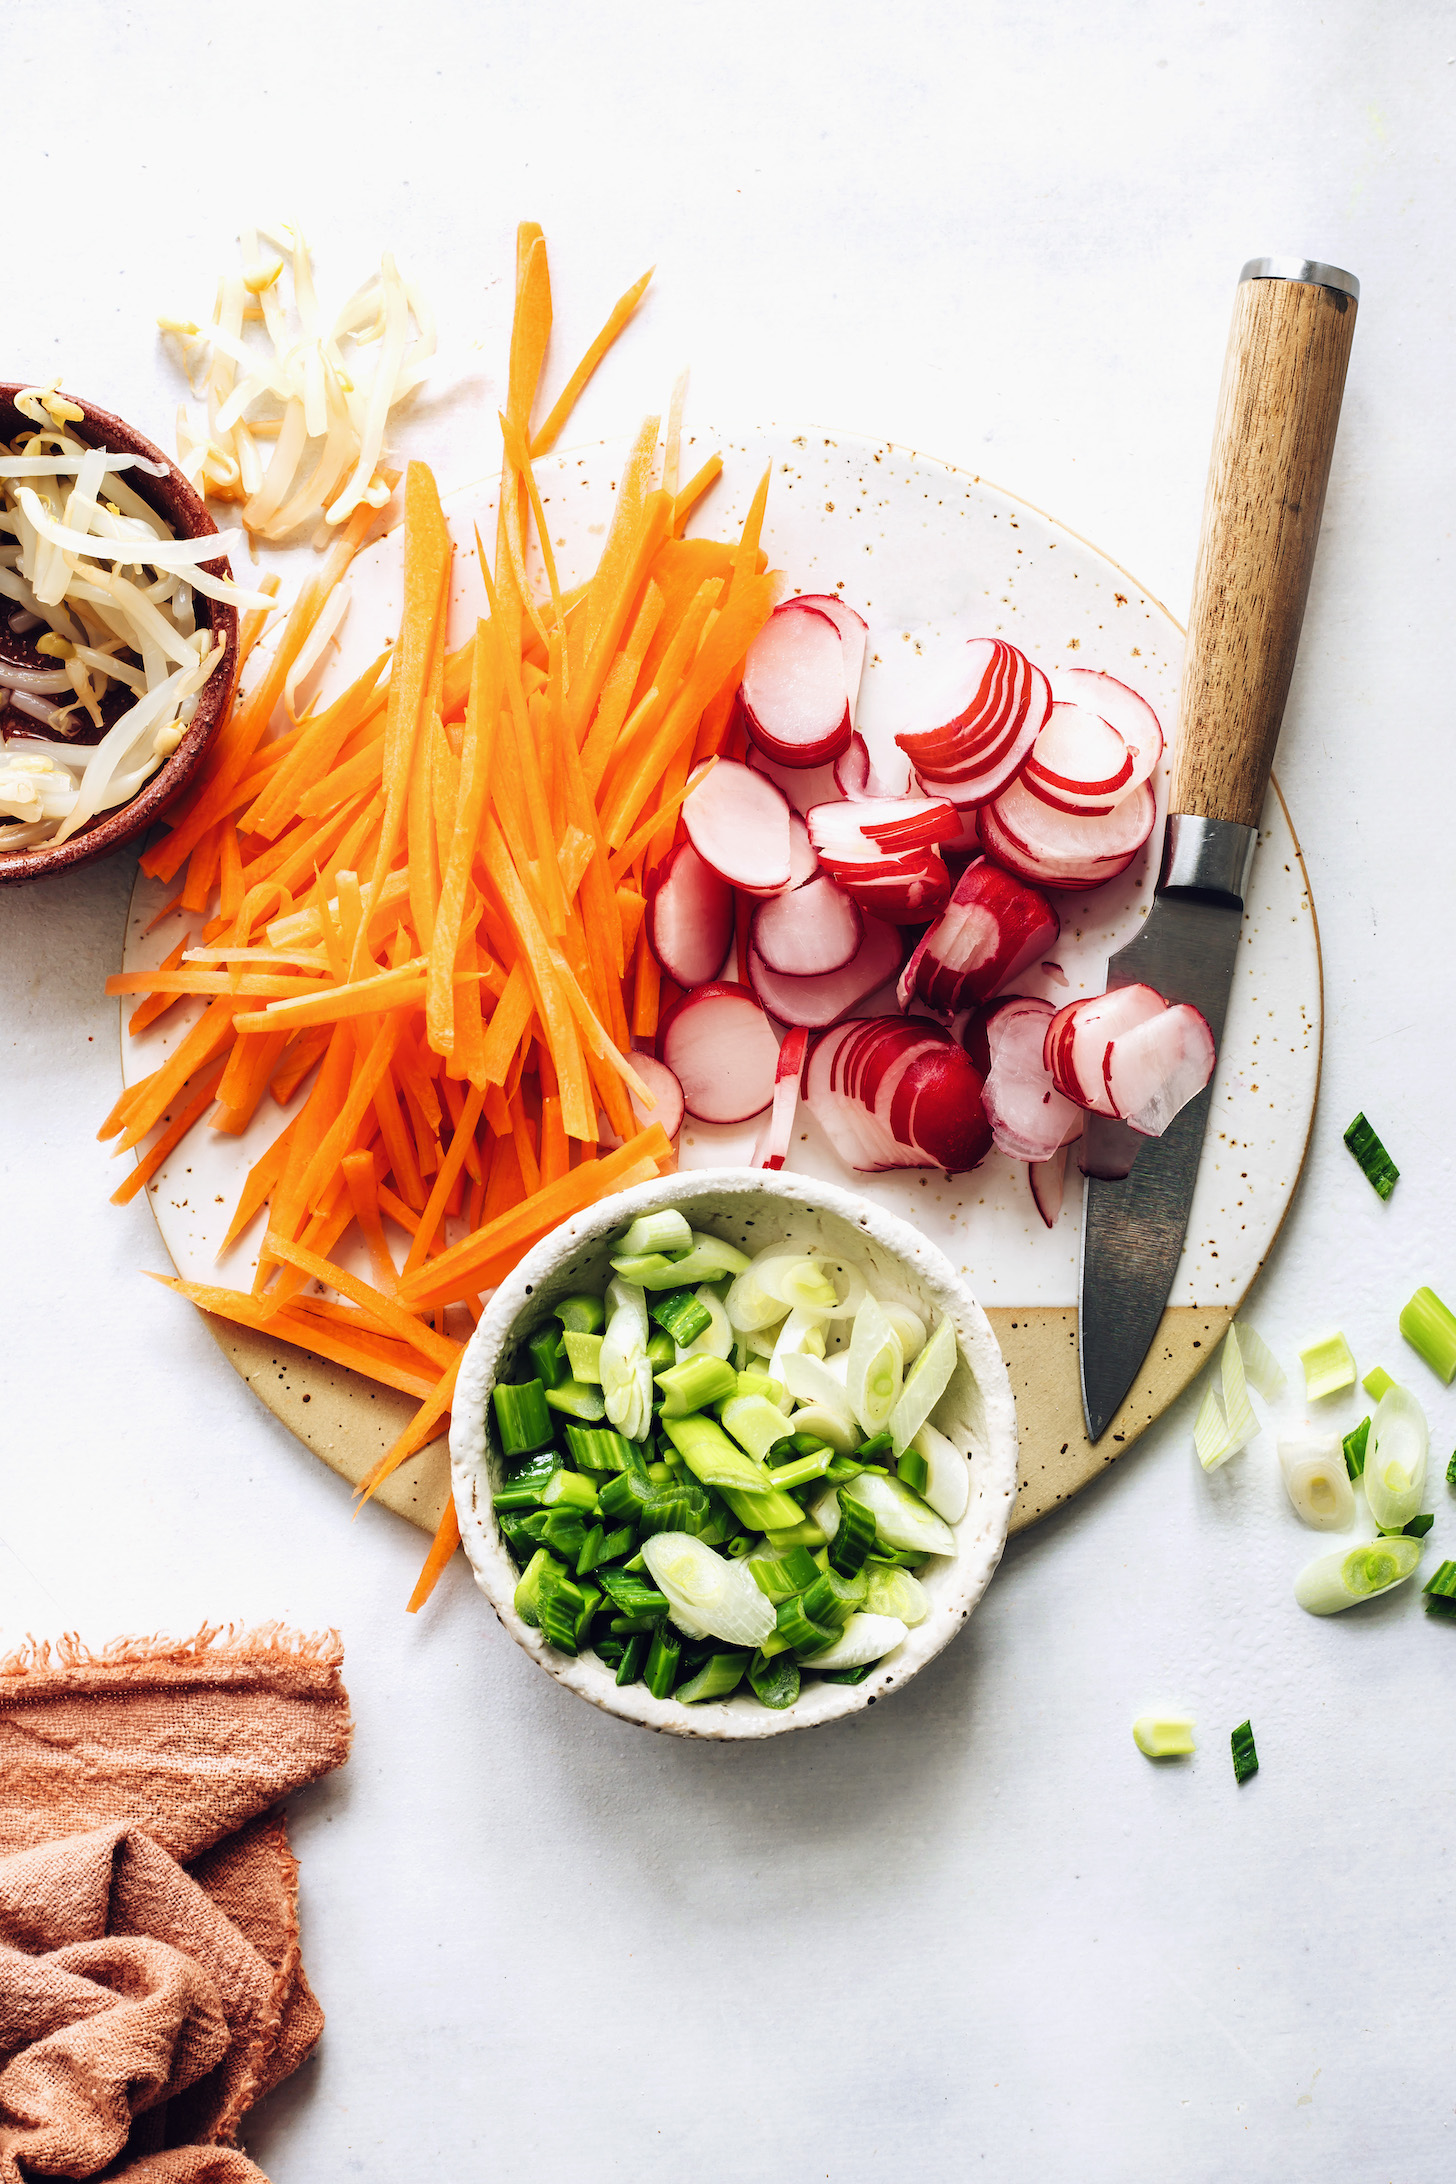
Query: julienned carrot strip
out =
(165, 912)
(611, 1093)
(362, 1184)
(385, 1309)
(554, 1010)
(152, 1159)
(202, 869)
(442, 1547)
(494, 1271)
(288, 1209)
(244, 1081)
(189, 979)
(566, 401)
(147, 1012)
(534, 1217)
(126, 1099)
(617, 689)
(503, 1033)
(524, 1139)
(419, 822)
(450, 1168)
(261, 1183)
(212, 1031)
(306, 1048)
(530, 332)
(476, 972)
(310, 1333)
(315, 752)
(693, 492)
(403, 1216)
(402, 1161)
(605, 637)
(718, 715)
(631, 909)
(230, 871)
(396, 989)
(338, 1139)
(645, 992)
(420, 1429)
(456, 1099)
(645, 836)
(745, 557)
(323, 1232)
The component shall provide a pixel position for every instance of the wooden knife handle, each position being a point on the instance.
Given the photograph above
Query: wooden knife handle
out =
(1278, 409)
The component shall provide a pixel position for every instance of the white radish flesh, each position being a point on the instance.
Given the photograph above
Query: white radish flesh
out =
(857, 775)
(823, 1000)
(987, 717)
(1122, 709)
(690, 918)
(738, 823)
(795, 693)
(857, 832)
(904, 889)
(802, 787)
(803, 864)
(666, 1090)
(853, 630)
(720, 1046)
(1029, 1117)
(1078, 763)
(808, 932)
(992, 927)
(1080, 1033)
(1073, 850)
(1156, 1068)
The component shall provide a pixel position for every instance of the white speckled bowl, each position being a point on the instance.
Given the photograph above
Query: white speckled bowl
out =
(749, 1208)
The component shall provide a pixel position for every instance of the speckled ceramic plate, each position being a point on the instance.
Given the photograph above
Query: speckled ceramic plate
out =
(929, 555)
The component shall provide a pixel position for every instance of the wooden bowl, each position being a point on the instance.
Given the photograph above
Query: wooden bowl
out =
(182, 510)
(749, 1208)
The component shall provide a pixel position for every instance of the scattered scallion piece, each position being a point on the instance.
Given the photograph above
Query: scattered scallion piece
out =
(528, 1592)
(719, 1675)
(854, 1537)
(1328, 1367)
(1430, 1328)
(1395, 1460)
(1246, 1759)
(582, 1314)
(802, 1470)
(1440, 1591)
(1317, 1480)
(667, 1232)
(681, 1314)
(634, 1654)
(1377, 1382)
(1226, 1421)
(1164, 1736)
(521, 1416)
(1375, 1163)
(1418, 1526)
(1354, 1447)
(1451, 1471)
(584, 1355)
(914, 1470)
(548, 1356)
(774, 1682)
(1349, 1576)
(660, 1674)
(578, 1399)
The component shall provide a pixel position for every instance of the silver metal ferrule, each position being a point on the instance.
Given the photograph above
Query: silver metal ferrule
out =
(1302, 269)
(1207, 857)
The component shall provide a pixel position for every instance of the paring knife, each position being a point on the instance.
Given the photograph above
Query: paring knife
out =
(1279, 406)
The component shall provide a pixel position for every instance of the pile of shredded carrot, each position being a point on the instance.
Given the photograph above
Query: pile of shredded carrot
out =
(424, 902)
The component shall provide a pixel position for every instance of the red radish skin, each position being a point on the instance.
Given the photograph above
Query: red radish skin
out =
(853, 630)
(721, 1048)
(1048, 1179)
(1079, 1035)
(904, 890)
(1074, 851)
(886, 823)
(739, 824)
(989, 720)
(689, 918)
(1029, 1118)
(819, 1002)
(1078, 763)
(802, 787)
(809, 932)
(792, 1055)
(993, 926)
(897, 1094)
(803, 864)
(1122, 709)
(857, 776)
(1153, 1070)
(794, 693)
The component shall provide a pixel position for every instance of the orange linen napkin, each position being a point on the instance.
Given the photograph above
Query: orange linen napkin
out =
(150, 1982)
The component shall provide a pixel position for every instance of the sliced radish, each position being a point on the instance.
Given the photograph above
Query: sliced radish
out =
(1153, 1070)
(807, 932)
(720, 1046)
(802, 786)
(853, 630)
(1078, 763)
(1122, 709)
(904, 890)
(739, 824)
(661, 1082)
(896, 1094)
(1065, 849)
(689, 918)
(857, 775)
(803, 864)
(1079, 1035)
(785, 1097)
(817, 1002)
(795, 692)
(986, 722)
(862, 828)
(992, 927)
(1029, 1118)
(1048, 1180)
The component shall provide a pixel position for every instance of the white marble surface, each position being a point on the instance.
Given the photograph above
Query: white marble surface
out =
(973, 1933)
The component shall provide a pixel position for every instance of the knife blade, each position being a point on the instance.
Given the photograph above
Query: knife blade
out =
(1279, 406)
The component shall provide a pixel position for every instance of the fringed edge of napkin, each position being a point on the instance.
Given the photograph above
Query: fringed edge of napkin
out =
(211, 1644)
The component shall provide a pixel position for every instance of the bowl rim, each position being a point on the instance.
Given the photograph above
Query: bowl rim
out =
(994, 1478)
(177, 501)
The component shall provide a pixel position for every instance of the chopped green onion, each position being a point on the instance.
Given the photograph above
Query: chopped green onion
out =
(599, 1448)
(719, 1674)
(800, 1631)
(708, 1261)
(864, 1638)
(632, 1595)
(632, 1626)
(582, 1314)
(878, 1449)
(659, 1474)
(707, 1595)
(572, 1489)
(1354, 1446)
(547, 1356)
(1344, 1579)
(1374, 1161)
(914, 1470)
(892, 1591)
(522, 1419)
(1164, 1736)
(527, 1600)
(764, 1384)
(1418, 1527)
(1377, 1382)
(647, 1267)
(902, 1519)
(925, 1384)
(874, 1373)
(853, 1537)
(694, 1384)
(577, 1399)
(589, 1554)
(1225, 1421)
(1246, 1759)
(679, 1507)
(847, 1675)
(563, 1532)
(831, 1598)
(757, 1425)
(516, 1530)
(634, 1652)
(592, 1600)
(626, 1496)
(1451, 1471)
(806, 1533)
(831, 1424)
(584, 1355)
(524, 1486)
(1430, 1327)
(1395, 1460)
(560, 1604)
(1328, 1367)
(774, 1683)
(1262, 1369)
(1440, 1591)
(779, 1577)
(680, 1314)
(667, 1232)
(661, 1351)
(1317, 1480)
(617, 1544)
(802, 1469)
(738, 1546)
(712, 1457)
(660, 1673)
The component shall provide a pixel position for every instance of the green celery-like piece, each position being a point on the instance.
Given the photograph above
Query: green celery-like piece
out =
(590, 1552)
(634, 1625)
(681, 1314)
(774, 1682)
(631, 1595)
(547, 1356)
(714, 1459)
(599, 1448)
(854, 1538)
(570, 1490)
(801, 1631)
(719, 1674)
(661, 1351)
(879, 1449)
(913, 1470)
(1429, 1326)
(755, 1424)
(667, 1233)
(845, 1468)
(584, 1355)
(693, 1385)
(1377, 1383)
(1440, 1591)
(1328, 1367)
(832, 1599)
(1246, 1759)
(609, 1651)
(1354, 1446)
(634, 1653)
(751, 1382)
(618, 1543)
(624, 1498)
(847, 1675)
(524, 1486)
(564, 1533)
(779, 1578)
(1451, 1471)
(680, 1507)
(803, 1469)
(1418, 1527)
(1164, 1736)
(582, 1314)
(522, 1419)
(645, 1267)
(803, 1532)
(516, 1531)
(1375, 1163)
(528, 1592)
(560, 1607)
(660, 1673)
(592, 1597)
(578, 1399)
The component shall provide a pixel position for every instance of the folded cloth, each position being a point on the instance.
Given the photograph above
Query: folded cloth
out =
(150, 1983)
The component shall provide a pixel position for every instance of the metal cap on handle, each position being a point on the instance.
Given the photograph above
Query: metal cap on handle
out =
(1309, 270)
